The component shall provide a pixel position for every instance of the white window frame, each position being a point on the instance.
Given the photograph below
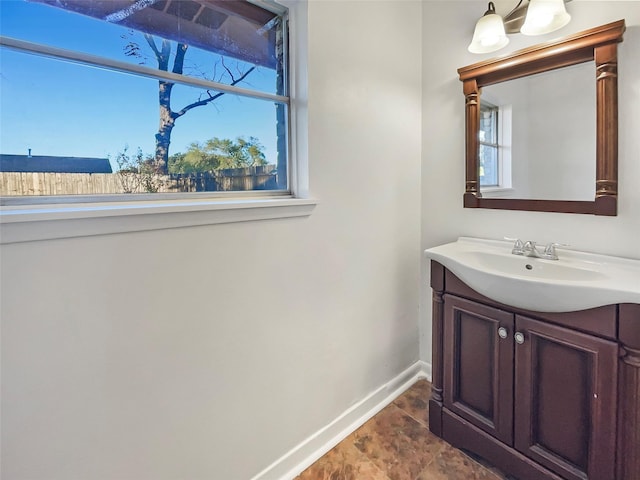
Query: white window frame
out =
(504, 146)
(42, 218)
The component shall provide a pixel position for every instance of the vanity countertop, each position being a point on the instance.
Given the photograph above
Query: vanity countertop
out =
(577, 281)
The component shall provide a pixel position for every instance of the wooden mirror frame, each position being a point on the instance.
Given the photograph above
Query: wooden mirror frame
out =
(599, 44)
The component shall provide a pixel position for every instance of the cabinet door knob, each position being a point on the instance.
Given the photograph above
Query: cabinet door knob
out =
(519, 336)
(502, 332)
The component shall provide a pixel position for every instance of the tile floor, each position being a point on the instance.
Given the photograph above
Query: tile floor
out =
(396, 444)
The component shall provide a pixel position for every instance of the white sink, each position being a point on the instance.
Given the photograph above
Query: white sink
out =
(577, 281)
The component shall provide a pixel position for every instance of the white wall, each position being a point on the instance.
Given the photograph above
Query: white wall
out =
(443, 218)
(209, 352)
(562, 142)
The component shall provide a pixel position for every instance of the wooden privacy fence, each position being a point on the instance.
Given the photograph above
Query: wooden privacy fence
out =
(232, 179)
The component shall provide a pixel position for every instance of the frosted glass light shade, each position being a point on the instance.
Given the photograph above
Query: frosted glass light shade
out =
(545, 16)
(489, 34)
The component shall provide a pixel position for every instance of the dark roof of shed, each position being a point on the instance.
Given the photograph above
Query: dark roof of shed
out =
(43, 163)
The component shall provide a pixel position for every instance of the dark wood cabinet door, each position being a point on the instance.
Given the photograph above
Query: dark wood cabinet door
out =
(478, 365)
(565, 400)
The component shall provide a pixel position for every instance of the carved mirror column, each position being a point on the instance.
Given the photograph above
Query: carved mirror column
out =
(606, 57)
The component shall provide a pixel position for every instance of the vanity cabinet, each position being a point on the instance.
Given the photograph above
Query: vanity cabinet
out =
(539, 395)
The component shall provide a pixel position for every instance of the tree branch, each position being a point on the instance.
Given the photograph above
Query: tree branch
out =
(212, 97)
(152, 43)
(227, 69)
(162, 55)
(178, 63)
(166, 53)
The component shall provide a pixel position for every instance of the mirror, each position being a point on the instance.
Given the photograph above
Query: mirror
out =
(540, 124)
(530, 123)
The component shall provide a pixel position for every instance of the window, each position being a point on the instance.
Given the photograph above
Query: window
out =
(173, 97)
(495, 141)
(489, 148)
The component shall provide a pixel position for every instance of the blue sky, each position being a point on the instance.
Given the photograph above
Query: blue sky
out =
(65, 109)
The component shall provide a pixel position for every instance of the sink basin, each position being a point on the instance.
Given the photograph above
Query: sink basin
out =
(532, 267)
(577, 281)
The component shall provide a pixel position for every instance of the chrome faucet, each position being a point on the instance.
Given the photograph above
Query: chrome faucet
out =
(529, 249)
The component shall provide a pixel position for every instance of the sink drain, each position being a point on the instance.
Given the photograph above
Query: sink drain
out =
(528, 266)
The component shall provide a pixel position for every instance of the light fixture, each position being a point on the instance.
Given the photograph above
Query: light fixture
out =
(545, 16)
(489, 34)
(530, 17)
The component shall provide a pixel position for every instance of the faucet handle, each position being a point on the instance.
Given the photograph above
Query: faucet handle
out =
(518, 246)
(550, 249)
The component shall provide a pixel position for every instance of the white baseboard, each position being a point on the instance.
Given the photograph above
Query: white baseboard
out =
(308, 451)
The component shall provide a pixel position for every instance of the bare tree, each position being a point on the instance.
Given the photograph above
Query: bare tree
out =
(168, 116)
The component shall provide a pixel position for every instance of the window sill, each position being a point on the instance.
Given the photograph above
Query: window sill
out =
(46, 222)
(496, 192)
